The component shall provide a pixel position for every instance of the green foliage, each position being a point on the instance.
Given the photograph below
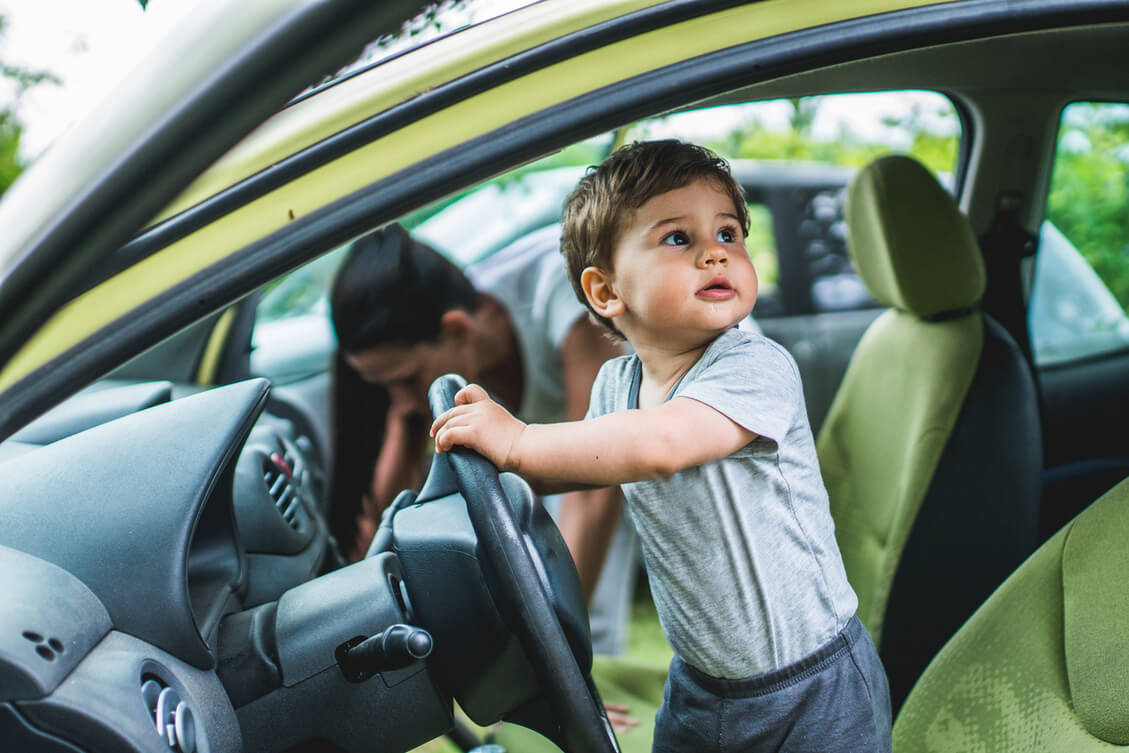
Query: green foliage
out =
(11, 130)
(761, 242)
(430, 19)
(589, 152)
(10, 164)
(928, 133)
(754, 139)
(1089, 197)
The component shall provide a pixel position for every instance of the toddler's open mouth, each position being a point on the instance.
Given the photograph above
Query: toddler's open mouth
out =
(718, 289)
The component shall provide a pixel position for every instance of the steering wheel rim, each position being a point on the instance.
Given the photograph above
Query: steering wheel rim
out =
(573, 696)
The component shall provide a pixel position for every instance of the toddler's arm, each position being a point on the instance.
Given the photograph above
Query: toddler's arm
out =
(617, 448)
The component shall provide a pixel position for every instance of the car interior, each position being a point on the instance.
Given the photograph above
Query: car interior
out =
(918, 437)
(172, 582)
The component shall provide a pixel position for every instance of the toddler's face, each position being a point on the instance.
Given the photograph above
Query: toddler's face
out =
(681, 266)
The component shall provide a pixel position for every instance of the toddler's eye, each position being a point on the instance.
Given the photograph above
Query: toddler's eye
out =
(677, 238)
(727, 235)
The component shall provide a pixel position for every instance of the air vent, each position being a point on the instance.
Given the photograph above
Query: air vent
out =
(47, 648)
(278, 475)
(171, 716)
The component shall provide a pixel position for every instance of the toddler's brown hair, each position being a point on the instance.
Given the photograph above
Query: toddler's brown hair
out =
(596, 210)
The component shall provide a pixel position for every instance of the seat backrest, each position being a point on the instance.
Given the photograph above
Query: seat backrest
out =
(1042, 665)
(931, 450)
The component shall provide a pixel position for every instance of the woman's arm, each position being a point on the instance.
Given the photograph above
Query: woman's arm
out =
(587, 519)
(399, 465)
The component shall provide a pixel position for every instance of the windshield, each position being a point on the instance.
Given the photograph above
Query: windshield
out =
(438, 20)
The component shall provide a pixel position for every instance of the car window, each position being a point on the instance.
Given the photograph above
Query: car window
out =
(1081, 285)
(793, 157)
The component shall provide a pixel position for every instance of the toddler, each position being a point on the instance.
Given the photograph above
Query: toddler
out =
(705, 429)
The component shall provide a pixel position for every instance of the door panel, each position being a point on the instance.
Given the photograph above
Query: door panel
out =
(1086, 447)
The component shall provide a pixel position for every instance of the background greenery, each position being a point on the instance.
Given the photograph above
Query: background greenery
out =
(1089, 196)
(18, 80)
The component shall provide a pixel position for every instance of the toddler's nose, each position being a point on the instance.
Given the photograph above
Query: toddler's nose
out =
(715, 253)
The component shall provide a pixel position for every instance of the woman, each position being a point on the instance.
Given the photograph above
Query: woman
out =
(404, 315)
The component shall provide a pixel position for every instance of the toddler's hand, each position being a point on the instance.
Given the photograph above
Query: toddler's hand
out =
(481, 424)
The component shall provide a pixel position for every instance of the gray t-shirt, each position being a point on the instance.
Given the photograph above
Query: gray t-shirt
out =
(740, 552)
(529, 279)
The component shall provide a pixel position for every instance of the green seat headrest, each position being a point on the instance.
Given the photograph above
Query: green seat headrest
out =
(910, 243)
(1095, 587)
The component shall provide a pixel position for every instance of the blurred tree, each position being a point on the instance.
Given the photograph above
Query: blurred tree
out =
(927, 136)
(18, 80)
(804, 110)
(1089, 194)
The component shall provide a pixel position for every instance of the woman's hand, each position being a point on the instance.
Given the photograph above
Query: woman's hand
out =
(481, 424)
(618, 717)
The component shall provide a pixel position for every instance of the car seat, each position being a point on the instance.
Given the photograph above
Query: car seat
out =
(931, 451)
(1042, 664)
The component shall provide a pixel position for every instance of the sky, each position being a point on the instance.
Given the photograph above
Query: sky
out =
(91, 44)
(87, 44)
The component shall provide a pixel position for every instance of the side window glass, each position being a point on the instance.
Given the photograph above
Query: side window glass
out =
(1081, 285)
(795, 158)
(292, 336)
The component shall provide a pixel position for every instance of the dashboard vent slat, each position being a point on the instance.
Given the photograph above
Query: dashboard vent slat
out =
(280, 485)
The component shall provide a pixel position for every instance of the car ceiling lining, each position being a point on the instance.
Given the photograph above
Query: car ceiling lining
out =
(962, 66)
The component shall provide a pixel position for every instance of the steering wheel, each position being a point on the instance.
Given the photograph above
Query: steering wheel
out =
(575, 701)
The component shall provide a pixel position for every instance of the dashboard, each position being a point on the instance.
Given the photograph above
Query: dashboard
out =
(152, 547)
(170, 584)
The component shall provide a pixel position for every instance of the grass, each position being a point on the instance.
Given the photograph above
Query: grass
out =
(645, 641)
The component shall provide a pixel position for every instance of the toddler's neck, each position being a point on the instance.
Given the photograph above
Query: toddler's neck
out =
(662, 369)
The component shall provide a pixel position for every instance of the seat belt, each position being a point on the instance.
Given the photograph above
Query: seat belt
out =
(1004, 245)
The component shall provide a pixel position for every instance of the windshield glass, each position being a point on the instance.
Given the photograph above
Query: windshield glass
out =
(438, 20)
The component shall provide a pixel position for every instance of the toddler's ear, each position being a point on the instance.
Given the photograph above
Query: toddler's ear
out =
(599, 289)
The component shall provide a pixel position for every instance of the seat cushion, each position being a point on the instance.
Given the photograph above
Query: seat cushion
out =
(1001, 684)
(1095, 574)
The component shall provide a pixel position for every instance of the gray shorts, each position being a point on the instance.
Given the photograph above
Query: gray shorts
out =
(836, 699)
